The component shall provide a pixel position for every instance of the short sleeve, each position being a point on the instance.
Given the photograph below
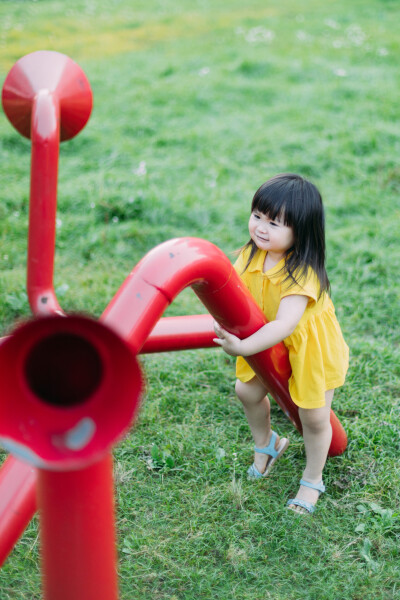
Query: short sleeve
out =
(307, 286)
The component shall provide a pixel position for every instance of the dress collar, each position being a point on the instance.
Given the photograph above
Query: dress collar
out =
(257, 264)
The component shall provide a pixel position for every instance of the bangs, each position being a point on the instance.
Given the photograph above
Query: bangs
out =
(274, 206)
(285, 197)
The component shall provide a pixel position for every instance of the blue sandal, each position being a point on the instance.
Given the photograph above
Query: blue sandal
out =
(308, 506)
(270, 450)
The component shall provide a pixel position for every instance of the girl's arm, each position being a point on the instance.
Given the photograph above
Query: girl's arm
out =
(290, 311)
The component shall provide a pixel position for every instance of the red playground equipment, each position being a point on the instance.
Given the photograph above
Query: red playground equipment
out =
(70, 386)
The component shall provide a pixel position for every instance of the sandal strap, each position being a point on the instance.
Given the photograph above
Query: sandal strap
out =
(270, 449)
(253, 472)
(303, 504)
(314, 486)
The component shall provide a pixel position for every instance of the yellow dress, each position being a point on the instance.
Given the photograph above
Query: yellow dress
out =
(318, 354)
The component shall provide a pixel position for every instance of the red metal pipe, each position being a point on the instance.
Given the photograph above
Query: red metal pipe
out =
(183, 262)
(70, 388)
(45, 136)
(173, 333)
(17, 502)
(180, 333)
(47, 97)
(78, 538)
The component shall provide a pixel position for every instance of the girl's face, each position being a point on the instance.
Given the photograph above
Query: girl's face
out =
(271, 235)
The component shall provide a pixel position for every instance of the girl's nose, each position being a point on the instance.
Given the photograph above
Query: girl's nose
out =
(263, 227)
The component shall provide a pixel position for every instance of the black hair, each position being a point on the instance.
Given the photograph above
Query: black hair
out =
(298, 203)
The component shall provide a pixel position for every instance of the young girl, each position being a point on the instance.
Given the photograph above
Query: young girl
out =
(283, 266)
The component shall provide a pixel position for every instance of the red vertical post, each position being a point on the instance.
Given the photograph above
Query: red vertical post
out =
(78, 538)
(45, 137)
(70, 389)
(47, 98)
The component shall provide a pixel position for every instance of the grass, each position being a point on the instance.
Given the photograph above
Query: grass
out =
(195, 104)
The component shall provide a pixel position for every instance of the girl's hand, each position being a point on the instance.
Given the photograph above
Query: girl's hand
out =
(229, 343)
(290, 311)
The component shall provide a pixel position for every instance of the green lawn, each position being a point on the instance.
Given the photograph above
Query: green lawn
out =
(195, 105)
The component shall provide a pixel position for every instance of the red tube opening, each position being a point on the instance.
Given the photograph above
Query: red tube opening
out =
(63, 369)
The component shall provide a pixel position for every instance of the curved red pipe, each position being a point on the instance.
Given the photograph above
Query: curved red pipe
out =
(168, 269)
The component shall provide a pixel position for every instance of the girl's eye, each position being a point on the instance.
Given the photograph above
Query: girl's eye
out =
(256, 216)
(274, 224)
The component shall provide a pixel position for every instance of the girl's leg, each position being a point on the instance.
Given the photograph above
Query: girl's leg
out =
(253, 396)
(317, 434)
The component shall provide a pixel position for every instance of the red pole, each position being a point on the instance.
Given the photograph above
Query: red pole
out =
(180, 333)
(45, 136)
(47, 97)
(17, 502)
(70, 389)
(78, 539)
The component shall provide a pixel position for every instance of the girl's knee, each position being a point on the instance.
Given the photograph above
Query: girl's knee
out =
(251, 392)
(241, 390)
(315, 419)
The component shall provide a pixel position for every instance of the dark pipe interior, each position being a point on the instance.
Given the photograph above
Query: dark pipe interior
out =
(63, 369)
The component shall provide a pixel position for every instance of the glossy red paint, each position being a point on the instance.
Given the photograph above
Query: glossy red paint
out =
(180, 333)
(50, 73)
(70, 389)
(78, 537)
(17, 502)
(168, 269)
(47, 98)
